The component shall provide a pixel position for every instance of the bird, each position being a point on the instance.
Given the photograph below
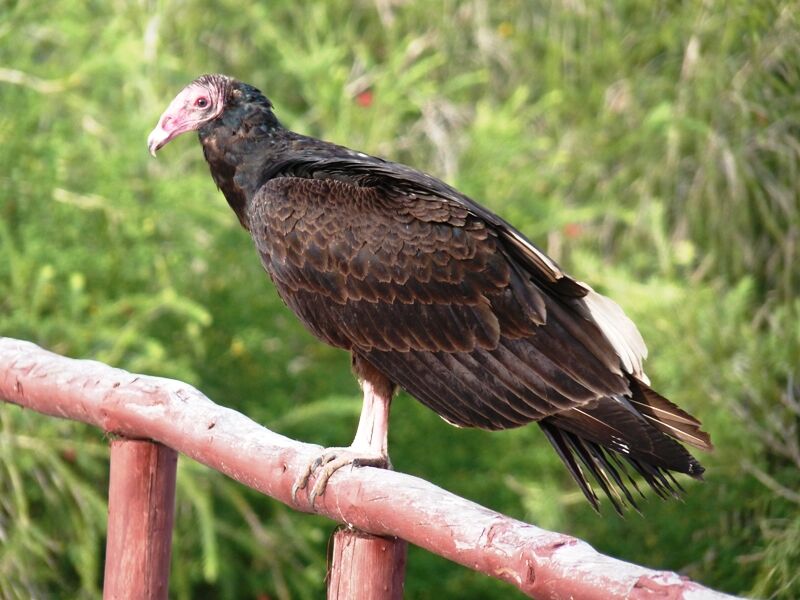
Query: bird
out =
(432, 293)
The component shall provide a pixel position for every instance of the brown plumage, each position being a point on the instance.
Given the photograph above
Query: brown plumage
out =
(432, 292)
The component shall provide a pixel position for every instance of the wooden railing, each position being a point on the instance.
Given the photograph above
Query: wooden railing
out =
(156, 418)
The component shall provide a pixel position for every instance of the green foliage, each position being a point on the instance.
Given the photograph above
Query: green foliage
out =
(660, 138)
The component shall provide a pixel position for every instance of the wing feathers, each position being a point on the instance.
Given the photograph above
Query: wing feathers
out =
(614, 425)
(483, 392)
(455, 306)
(566, 453)
(487, 387)
(667, 417)
(619, 330)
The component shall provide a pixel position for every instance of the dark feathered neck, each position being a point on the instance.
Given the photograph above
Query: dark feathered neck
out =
(239, 143)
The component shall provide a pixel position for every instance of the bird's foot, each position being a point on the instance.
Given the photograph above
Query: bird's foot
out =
(330, 461)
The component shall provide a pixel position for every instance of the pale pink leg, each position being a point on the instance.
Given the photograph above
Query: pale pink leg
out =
(372, 435)
(369, 447)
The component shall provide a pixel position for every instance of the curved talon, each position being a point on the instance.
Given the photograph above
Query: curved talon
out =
(330, 461)
(302, 481)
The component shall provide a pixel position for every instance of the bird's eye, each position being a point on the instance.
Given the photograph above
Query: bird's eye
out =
(201, 102)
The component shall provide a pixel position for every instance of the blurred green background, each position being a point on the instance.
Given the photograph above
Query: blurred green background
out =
(651, 147)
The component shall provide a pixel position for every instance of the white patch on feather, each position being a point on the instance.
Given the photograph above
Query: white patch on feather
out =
(536, 252)
(607, 314)
(619, 330)
(539, 258)
(680, 434)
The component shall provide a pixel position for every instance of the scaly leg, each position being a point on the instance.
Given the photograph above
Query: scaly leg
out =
(370, 445)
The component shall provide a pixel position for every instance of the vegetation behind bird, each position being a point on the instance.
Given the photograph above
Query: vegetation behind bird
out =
(657, 138)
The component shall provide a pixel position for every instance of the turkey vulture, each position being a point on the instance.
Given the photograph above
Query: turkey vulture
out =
(433, 293)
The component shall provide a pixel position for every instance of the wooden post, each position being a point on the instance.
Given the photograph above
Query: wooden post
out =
(366, 567)
(141, 509)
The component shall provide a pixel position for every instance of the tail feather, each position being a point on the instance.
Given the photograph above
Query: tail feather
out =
(593, 457)
(604, 441)
(608, 471)
(617, 426)
(565, 451)
(668, 417)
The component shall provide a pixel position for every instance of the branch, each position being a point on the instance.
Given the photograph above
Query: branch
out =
(540, 563)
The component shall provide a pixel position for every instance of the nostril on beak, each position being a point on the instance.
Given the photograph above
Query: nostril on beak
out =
(165, 123)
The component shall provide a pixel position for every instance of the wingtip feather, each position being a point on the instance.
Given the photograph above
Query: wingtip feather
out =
(619, 330)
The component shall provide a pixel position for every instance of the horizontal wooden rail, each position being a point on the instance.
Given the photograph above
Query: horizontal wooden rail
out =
(542, 564)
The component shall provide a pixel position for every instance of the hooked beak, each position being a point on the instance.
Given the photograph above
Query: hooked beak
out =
(162, 134)
(156, 140)
(173, 122)
(184, 114)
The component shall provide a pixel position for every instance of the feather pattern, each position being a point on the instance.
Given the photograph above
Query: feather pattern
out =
(447, 300)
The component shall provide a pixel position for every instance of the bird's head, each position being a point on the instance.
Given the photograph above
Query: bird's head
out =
(208, 100)
(198, 103)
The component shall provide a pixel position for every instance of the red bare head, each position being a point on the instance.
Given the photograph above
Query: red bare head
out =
(201, 101)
